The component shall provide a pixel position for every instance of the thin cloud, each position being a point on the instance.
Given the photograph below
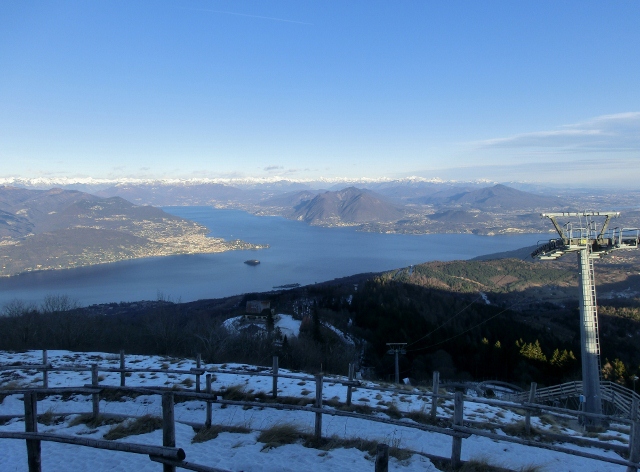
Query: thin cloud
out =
(272, 168)
(607, 132)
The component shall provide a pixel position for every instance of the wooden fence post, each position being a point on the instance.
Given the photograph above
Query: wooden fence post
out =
(634, 439)
(527, 418)
(434, 398)
(45, 371)
(207, 423)
(318, 425)
(34, 457)
(382, 458)
(352, 367)
(456, 446)
(198, 366)
(274, 388)
(122, 376)
(168, 427)
(95, 397)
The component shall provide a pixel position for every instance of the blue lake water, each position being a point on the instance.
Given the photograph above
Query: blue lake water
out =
(298, 253)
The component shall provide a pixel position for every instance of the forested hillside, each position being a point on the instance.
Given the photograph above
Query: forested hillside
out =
(500, 319)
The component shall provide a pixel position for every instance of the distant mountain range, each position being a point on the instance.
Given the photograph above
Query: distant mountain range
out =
(478, 210)
(411, 205)
(500, 197)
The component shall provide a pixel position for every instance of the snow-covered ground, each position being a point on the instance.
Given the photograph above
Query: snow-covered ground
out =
(287, 325)
(243, 451)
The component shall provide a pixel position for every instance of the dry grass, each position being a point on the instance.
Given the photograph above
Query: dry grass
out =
(117, 395)
(188, 382)
(142, 425)
(394, 412)
(365, 445)
(362, 409)
(486, 425)
(92, 422)
(49, 418)
(281, 434)
(333, 402)
(238, 393)
(479, 465)
(420, 416)
(482, 464)
(611, 437)
(288, 400)
(518, 429)
(554, 425)
(206, 434)
(13, 385)
(517, 411)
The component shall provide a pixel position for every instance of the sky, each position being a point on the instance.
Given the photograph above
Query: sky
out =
(534, 91)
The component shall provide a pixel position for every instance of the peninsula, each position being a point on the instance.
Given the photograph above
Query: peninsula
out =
(62, 229)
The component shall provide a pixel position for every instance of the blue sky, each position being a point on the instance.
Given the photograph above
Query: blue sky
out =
(529, 91)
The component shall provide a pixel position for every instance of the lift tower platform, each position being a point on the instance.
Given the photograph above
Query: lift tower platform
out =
(580, 234)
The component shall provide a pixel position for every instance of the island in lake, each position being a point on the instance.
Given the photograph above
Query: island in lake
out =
(252, 262)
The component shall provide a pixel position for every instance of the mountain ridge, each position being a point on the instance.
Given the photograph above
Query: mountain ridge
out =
(348, 206)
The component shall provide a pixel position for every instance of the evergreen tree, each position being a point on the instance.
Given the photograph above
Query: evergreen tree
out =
(270, 322)
(615, 371)
(531, 351)
(315, 319)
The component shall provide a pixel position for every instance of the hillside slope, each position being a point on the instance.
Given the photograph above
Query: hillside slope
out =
(347, 207)
(57, 229)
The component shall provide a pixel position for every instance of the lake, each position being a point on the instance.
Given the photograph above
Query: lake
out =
(298, 253)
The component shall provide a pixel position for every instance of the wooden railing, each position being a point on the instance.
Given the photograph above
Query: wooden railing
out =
(455, 427)
(622, 397)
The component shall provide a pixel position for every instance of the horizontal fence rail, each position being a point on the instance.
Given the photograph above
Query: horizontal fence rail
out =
(160, 451)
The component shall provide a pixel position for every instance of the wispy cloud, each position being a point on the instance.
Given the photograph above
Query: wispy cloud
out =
(618, 132)
(273, 168)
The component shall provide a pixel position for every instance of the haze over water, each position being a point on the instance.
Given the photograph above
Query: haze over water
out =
(298, 253)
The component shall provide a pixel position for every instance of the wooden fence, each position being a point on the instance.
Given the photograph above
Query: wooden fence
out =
(171, 457)
(620, 397)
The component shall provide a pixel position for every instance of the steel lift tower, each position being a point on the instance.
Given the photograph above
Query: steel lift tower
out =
(581, 235)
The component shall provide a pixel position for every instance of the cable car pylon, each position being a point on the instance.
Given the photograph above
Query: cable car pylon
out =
(580, 234)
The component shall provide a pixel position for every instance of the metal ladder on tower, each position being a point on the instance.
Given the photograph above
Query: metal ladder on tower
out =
(592, 289)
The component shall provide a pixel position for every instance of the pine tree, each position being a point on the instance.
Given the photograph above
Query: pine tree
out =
(532, 351)
(315, 318)
(270, 322)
